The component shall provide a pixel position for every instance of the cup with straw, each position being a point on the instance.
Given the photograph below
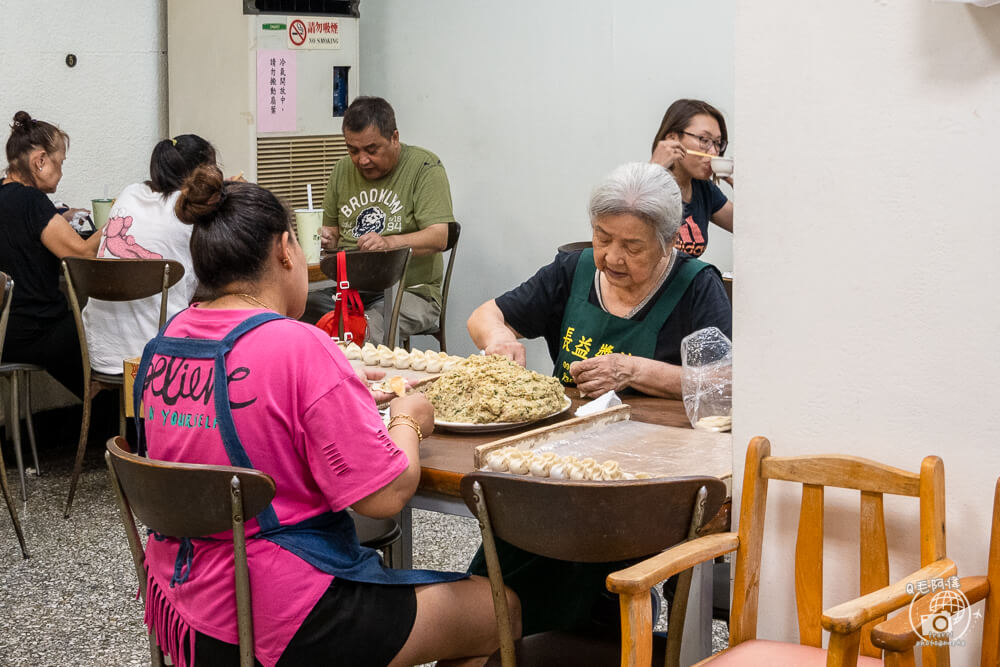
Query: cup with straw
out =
(308, 222)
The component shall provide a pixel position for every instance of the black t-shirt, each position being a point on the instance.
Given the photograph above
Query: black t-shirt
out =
(24, 213)
(535, 308)
(706, 200)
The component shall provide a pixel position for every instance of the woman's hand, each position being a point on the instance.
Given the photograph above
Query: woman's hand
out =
(602, 374)
(416, 406)
(667, 152)
(70, 213)
(369, 375)
(511, 349)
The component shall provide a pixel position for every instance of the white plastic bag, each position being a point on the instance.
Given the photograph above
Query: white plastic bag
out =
(707, 378)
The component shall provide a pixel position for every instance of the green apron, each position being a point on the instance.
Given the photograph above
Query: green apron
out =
(563, 595)
(589, 331)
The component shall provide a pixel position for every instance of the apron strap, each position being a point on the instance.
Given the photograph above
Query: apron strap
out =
(583, 277)
(676, 288)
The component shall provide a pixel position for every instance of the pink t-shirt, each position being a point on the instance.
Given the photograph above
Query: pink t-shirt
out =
(304, 418)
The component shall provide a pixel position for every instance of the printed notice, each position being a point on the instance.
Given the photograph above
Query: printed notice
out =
(313, 33)
(275, 91)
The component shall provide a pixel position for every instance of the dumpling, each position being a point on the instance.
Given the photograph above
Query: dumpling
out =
(518, 464)
(369, 355)
(385, 357)
(418, 361)
(434, 363)
(352, 351)
(400, 358)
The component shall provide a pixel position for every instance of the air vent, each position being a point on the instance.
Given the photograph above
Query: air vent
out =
(311, 7)
(285, 165)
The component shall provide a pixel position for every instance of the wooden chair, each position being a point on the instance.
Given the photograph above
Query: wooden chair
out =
(19, 375)
(12, 417)
(110, 280)
(575, 246)
(189, 500)
(590, 522)
(375, 271)
(849, 624)
(898, 637)
(454, 232)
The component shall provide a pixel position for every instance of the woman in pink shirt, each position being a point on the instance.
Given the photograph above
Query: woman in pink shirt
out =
(238, 381)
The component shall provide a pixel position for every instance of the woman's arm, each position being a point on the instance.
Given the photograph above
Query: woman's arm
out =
(492, 334)
(392, 498)
(724, 216)
(608, 372)
(62, 240)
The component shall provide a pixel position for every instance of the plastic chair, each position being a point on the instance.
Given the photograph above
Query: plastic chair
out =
(850, 623)
(575, 246)
(189, 500)
(20, 376)
(897, 636)
(375, 271)
(438, 332)
(12, 416)
(110, 280)
(590, 522)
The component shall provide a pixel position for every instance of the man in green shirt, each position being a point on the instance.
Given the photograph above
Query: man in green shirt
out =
(385, 195)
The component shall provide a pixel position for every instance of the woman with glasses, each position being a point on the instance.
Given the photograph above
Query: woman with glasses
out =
(693, 125)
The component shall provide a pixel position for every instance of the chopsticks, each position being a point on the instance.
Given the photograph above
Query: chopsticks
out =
(699, 153)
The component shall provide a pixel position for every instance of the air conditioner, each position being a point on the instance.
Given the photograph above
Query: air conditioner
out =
(267, 82)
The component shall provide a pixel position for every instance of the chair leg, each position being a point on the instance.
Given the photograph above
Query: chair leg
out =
(81, 446)
(31, 421)
(10, 503)
(14, 426)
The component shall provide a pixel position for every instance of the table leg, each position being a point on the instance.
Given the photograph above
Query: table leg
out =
(696, 643)
(402, 555)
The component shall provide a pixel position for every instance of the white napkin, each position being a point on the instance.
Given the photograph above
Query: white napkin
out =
(603, 402)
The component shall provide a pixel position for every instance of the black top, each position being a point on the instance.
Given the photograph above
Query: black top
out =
(706, 200)
(24, 213)
(535, 308)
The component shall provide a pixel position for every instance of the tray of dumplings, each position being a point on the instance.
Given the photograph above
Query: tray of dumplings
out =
(608, 446)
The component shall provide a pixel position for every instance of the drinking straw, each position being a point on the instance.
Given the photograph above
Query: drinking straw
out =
(309, 194)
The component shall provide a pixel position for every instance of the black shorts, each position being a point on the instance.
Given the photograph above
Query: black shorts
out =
(352, 624)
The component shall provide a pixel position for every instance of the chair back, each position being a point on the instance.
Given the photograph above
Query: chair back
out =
(575, 246)
(190, 500)
(583, 521)
(8, 296)
(116, 280)
(374, 271)
(874, 480)
(454, 232)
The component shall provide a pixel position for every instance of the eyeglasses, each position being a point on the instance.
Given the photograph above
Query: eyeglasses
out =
(705, 143)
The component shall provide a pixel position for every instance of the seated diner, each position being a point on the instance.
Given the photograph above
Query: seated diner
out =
(296, 410)
(613, 316)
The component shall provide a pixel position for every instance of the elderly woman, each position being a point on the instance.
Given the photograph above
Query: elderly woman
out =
(614, 316)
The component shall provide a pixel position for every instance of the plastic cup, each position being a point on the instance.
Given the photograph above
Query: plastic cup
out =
(308, 223)
(100, 210)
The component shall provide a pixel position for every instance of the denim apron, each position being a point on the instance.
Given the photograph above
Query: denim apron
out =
(328, 541)
(589, 331)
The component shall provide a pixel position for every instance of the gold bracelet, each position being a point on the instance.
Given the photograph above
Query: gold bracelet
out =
(406, 420)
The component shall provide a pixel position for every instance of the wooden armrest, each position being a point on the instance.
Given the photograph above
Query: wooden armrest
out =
(646, 574)
(850, 616)
(897, 633)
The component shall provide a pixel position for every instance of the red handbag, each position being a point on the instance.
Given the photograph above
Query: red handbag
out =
(349, 309)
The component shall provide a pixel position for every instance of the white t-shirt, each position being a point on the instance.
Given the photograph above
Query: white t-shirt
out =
(142, 225)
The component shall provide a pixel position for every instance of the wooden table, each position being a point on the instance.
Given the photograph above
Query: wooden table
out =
(447, 457)
(315, 274)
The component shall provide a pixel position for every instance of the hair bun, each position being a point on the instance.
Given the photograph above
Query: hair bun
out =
(21, 120)
(201, 195)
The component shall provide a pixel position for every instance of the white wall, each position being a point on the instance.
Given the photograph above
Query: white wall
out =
(112, 104)
(529, 104)
(866, 314)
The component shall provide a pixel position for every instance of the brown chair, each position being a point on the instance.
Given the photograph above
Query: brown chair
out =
(110, 280)
(849, 623)
(898, 637)
(12, 416)
(189, 500)
(590, 522)
(375, 271)
(454, 232)
(20, 378)
(575, 246)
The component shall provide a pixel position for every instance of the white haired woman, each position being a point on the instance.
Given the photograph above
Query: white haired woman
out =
(614, 316)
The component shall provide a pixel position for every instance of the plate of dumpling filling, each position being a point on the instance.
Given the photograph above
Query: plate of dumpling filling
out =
(487, 393)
